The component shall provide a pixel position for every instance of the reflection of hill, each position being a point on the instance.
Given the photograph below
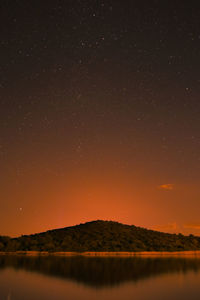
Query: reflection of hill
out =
(100, 272)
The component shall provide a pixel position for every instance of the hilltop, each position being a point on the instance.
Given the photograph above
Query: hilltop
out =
(101, 236)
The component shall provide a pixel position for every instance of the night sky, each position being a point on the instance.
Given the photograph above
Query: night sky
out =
(99, 114)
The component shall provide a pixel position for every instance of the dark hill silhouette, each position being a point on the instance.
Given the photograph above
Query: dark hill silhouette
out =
(101, 236)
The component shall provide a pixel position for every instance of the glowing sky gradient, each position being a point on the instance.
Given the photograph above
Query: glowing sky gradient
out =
(99, 114)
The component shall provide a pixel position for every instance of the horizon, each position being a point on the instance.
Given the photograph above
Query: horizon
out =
(99, 121)
(93, 221)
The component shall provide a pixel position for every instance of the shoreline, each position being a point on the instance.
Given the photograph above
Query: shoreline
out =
(107, 254)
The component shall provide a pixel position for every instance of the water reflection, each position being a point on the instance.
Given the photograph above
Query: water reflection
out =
(101, 272)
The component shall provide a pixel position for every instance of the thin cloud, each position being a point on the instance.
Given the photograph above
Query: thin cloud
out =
(166, 227)
(192, 226)
(167, 187)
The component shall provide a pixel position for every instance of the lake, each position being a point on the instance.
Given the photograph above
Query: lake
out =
(95, 278)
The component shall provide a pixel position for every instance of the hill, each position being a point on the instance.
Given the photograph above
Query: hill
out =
(101, 236)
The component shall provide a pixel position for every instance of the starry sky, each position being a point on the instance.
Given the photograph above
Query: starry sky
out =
(99, 114)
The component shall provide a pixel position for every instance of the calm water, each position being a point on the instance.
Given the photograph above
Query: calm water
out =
(60, 278)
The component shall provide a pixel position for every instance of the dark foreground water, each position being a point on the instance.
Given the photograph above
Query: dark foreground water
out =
(74, 278)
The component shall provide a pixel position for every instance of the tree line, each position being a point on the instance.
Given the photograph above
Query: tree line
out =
(101, 236)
